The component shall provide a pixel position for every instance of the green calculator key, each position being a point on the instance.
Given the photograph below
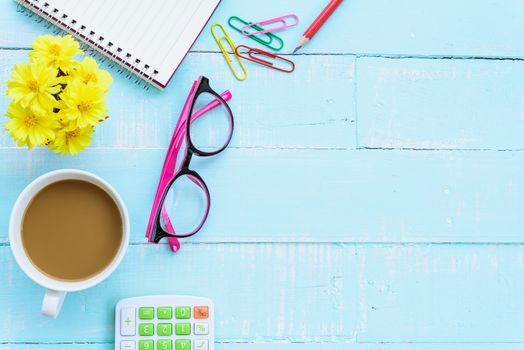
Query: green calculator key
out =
(165, 322)
(146, 313)
(182, 344)
(183, 328)
(146, 329)
(164, 344)
(145, 345)
(164, 329)
(182, 312)
(164, 313)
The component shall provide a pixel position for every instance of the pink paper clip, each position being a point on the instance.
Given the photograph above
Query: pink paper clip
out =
(282, 19)
(254, 55)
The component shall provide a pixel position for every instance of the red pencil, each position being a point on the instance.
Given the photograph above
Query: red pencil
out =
(319, 22)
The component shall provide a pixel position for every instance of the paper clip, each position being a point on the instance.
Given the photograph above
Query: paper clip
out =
(254, 54)
(282, 19)
(226, 37)
(265, 39)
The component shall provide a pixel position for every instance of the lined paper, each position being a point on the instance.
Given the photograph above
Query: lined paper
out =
(151, 37)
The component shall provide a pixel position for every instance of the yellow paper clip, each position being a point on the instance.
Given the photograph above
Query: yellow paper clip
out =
(226, 37)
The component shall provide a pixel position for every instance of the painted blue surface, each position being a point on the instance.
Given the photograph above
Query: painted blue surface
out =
(373, 199)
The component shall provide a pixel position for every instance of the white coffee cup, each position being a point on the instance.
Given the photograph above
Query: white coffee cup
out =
(57, 289)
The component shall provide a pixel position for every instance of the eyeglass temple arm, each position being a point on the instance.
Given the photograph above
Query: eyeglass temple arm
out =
(168, 167)
(173, 153)
(179, 131)
(178, 135)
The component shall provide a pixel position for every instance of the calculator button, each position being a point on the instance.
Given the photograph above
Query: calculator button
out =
(146, 313)
(146, 329)
(182, 312)
(164, 329)
(127, 345)
(164, 313)
(164, 344)
(201, 328)
(182, 344)
(201, 344)
(183, 328)
(146, 345)
(201, 312)
(127, 321)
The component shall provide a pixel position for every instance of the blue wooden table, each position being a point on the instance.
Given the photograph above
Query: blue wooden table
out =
(373, 199)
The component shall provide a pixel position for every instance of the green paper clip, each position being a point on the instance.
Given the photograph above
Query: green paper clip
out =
(259, 38)
(225, 36)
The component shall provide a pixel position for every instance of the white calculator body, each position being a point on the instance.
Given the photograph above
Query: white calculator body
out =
(165, 322)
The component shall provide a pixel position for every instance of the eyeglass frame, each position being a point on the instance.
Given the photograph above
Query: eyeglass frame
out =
(155, 232)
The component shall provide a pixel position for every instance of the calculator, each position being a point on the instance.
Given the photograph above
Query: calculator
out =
(164, 322)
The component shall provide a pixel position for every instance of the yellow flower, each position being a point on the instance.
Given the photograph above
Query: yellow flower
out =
(71, 141)
(33, 85)
(88, 72)
(29, 128)
(56, 51)
(84, 104)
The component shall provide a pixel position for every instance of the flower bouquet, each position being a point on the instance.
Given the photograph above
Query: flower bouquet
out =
(56, 101)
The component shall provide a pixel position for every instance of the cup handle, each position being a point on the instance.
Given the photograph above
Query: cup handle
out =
(52, 303)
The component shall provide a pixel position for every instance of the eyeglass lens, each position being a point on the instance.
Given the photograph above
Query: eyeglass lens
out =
(185, 206)
(212, 131)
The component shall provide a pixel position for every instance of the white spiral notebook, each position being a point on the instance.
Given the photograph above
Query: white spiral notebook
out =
(148, 37)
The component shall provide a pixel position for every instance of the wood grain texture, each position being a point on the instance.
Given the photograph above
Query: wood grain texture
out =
(440, 104)
(265, 292)
(307, 11)
(444, 293)
(265, 114)
(277, 195)
(377, 27)
(311, 293)
(287, 346)
(314, 240)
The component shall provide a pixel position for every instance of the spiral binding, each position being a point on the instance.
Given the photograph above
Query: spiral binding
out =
(101, 49)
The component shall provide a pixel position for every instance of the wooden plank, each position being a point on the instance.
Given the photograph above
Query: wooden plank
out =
(218, 346)
(440, 346)
(21, 31)
(106, 346)
(262, 292)
(442, 293)
(291, 346)
(268, 195)
(266, 114)
(311, 293)
(440, 104)
(411, 27)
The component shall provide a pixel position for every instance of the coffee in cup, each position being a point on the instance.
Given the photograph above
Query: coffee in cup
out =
(69, 230)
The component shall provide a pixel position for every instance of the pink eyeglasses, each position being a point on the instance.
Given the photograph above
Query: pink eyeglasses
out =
(182, 200)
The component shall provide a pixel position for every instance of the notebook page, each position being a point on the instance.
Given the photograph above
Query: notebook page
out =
(158, 18)
(155, 19)
(129, 24)
(168, 31)
(158, 27)
(177, 50)
(156, 33)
